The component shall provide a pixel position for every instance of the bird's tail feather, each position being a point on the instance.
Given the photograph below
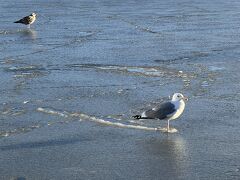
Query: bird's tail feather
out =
(18, 21)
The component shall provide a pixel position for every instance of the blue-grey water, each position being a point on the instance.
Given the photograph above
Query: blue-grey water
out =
(70, 84)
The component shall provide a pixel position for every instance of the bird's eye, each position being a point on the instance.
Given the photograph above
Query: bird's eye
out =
(178, 96)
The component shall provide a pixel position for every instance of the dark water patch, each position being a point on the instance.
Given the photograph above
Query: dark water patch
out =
(41, 144)
(18, 178)
(184, 58)
(135, 25)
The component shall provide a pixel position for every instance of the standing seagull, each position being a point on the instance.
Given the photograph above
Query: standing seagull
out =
(166, 111)
(28, 19)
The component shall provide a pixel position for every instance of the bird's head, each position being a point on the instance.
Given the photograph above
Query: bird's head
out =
(33, 14)
(179, 97)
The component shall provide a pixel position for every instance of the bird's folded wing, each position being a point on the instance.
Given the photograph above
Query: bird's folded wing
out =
(162, 111)
(26, 20)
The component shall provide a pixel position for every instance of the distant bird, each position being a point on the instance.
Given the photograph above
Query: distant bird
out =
(28, 20)
(166, 111)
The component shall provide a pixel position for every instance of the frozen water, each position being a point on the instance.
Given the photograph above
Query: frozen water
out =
(70, 84)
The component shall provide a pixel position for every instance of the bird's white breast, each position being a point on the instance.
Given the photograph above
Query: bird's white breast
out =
(180, 105)
(32, 19)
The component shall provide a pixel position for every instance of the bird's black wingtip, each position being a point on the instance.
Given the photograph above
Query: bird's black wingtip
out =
(137, 117)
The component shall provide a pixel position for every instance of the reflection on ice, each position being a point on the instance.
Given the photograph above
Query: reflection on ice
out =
(29, 33)
(174, 146)
(172, 151)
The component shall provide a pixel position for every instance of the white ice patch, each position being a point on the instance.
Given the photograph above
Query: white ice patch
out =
(101, 121)
(215, 68)
(145, 71)
(51, 111)
(205, 84)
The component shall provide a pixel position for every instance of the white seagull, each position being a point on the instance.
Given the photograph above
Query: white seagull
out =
(166, 111)
(28, 20)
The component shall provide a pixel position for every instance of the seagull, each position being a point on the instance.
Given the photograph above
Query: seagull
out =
(28, 20)
(166, 111)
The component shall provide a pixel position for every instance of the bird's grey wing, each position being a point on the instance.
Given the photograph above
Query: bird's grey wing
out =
(162, 111)
(26, 20)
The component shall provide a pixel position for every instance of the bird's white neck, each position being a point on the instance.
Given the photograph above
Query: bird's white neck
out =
(178, 104)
